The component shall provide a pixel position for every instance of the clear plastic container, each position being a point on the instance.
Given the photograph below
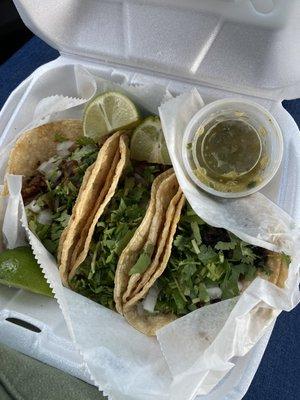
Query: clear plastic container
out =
(268, 133)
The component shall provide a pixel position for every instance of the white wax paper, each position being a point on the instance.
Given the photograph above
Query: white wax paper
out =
(255, 219)
(193, 353)
(13, 234)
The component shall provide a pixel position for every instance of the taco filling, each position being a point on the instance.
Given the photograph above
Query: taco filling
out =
(193, 264)
(95, 276)
(49, 195)
(206, 265)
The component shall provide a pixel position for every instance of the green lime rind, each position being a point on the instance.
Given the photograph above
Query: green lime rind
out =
(107, 113)
(19, 269)
(148, 143)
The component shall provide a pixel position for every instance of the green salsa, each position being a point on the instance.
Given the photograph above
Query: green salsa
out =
(229, 155)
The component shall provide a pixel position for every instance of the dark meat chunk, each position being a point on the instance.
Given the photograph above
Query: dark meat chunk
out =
(32, 187)
(261, 252)
(139, 167)
(211, 235)
(69, 168)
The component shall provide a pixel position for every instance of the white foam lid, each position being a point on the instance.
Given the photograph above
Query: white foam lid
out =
(183, 40)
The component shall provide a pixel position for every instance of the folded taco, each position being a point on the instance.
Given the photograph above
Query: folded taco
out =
(84, 202)
(126, 211)
(56, 162)
(194, 264)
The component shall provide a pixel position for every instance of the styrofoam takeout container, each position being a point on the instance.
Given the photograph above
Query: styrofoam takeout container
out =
(179, 45)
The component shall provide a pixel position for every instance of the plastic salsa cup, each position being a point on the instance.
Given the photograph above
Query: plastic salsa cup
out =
(232, 148)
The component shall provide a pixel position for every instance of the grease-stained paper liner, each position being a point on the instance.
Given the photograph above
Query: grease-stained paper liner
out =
(197, 349)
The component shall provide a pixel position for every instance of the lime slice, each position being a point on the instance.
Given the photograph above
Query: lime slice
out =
(108, 113)
(19, 268)
(148, 143)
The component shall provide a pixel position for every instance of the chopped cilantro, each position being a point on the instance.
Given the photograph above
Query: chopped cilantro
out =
(113, 232)
(226, 245)
(141, 265)
(63, 184)
(286, 258)
(202, 257)
(84, 141)
(196, 232)
(143, 261)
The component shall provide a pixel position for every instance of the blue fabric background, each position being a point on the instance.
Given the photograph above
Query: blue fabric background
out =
(278, 377)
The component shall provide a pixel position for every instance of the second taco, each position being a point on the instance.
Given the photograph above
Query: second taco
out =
(194, 264)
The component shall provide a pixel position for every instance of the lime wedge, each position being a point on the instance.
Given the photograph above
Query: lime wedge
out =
(148, 143)
(108, 113)
(19, 268)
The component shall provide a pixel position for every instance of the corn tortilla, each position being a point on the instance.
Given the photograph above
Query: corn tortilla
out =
(164, 195)
(38, 145)
(118, 165)
(149, 323)
(130, 254)
(85, 203)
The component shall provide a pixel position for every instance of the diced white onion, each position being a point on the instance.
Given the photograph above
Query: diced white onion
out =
(33, 206)
(214, 292)
(63, 148)
(44, 217)
(150, 300)
(48, 167)
(140, 309)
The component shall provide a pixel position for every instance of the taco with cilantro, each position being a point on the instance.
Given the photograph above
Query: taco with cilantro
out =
(85, 203)
(194, 264)
(126, 215)
(60, 167)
